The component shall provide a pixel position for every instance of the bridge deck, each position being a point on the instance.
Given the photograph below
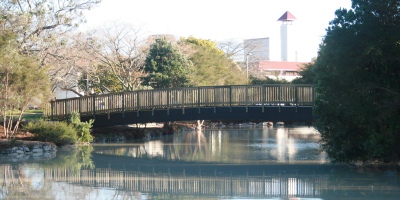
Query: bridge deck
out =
(186, 99)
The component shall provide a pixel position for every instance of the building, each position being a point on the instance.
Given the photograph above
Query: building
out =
(257, 58)
(280, 69)
(288, 52)
(256, 49)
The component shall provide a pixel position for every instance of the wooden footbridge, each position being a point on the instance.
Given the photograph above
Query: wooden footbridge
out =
(287, 102)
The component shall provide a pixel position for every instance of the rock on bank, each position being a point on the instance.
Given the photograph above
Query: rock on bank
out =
(20, 150)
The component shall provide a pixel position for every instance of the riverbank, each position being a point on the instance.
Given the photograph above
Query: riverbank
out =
(20, 150)
(23, 146)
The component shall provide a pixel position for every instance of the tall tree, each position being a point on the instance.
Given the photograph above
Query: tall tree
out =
(358, 73)
(166, 66)
(211, 65)
(39, 23)
(22, 82)
(120, 52)
(42, 28)
(75, 61)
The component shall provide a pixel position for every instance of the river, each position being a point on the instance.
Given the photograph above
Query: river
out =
(234, 162)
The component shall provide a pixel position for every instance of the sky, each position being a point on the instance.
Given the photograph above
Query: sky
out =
(224, 20)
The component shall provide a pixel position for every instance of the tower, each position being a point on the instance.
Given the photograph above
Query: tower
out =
(287, 50)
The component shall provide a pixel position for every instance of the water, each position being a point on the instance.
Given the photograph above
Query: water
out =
(227, 163)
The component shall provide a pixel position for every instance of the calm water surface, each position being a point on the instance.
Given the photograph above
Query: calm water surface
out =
(226, 163)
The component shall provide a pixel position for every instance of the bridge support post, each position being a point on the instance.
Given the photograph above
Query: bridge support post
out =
(94, 106)
(52, 103)
(123, 104)
(198, 98)
(230, 99)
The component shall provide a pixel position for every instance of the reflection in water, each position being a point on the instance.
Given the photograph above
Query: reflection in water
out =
(281, 145)
(34, 182)
(270, 163)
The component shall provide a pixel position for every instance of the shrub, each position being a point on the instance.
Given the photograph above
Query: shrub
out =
(82, 128)
(59, 133)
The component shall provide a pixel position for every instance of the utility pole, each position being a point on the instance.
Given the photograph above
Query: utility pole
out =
(247, 64)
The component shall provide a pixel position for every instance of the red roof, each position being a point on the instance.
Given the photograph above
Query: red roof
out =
(287, 16)
(280, 65)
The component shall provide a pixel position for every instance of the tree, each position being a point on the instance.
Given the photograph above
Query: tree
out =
(40, 23)
(22, 81)
(166, 66)
(102, 81)
(232, 49)
(358, 73)
(268, 81)
(43, 29)
(307, 75)
(82, 128)
(74, 61)
(211, 65)
(120, 51)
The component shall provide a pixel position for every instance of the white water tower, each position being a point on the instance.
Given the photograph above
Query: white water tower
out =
(288, 53)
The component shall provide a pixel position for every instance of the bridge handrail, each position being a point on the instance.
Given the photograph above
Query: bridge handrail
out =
(186, 97)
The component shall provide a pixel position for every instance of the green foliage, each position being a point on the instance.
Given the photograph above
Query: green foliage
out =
(22, 81)
(59, 133)
(307, 75)
(205, 44)
(104, 82)
(211, 66)
(357, 73)
(166, 66)
(40, 23)
(82, 128)
(62, 133)
(74, 159)
(268, 81)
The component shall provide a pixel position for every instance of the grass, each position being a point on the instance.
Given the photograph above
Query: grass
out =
(32, 115)
(29, 115)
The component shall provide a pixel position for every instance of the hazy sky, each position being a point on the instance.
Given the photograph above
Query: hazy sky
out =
(220, 20)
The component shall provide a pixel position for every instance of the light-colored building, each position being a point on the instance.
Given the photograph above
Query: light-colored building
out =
(256, 52)
(280, 69)
(256, 49)
(64, 94)
(288, 51)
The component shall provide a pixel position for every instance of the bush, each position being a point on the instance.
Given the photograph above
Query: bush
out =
(82, 128)
(59, 133)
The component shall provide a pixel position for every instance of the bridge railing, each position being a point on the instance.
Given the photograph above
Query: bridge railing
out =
(208, 96)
